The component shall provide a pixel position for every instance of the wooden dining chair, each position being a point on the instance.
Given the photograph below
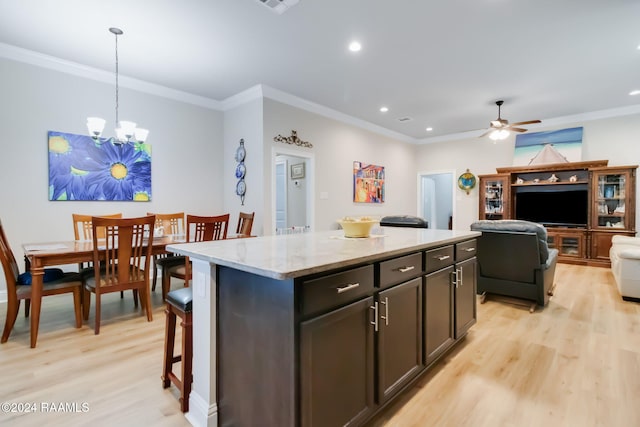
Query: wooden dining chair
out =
(82, 229)
(82, 223)
(199, 229)
(245, 223)
(119, 262)
(58, 283)
(172, 223)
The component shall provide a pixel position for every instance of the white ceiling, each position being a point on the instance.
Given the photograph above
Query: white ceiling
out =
(442, 63)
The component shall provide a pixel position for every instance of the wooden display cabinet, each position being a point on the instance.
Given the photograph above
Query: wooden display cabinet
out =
(610, 211)
(612, 208)
(494, 196)
(570, 243)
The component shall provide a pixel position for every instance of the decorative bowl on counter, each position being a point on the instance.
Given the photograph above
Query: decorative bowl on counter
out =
(357, 227)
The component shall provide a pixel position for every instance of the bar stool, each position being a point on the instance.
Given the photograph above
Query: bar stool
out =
(179, 303)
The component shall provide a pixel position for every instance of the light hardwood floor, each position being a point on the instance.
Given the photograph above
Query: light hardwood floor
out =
(575, 363)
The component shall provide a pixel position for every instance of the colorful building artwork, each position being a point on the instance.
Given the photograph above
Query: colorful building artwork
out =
(368, 183)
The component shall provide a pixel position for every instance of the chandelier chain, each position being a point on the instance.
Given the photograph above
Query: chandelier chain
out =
(117, 101)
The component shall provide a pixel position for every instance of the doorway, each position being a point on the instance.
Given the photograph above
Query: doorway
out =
(293, 185)
(435, 199)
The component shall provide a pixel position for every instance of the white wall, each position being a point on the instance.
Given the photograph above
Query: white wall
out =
(336, 146)
(613, 139)
(244, 122)
(186, 151)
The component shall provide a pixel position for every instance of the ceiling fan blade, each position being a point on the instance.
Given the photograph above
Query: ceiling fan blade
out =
(486, 133)
(516, 129)
(529, 122)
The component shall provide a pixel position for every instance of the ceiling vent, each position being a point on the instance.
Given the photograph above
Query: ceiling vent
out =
(404, 119)
(279, 6)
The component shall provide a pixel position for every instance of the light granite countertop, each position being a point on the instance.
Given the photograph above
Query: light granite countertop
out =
(288, 256)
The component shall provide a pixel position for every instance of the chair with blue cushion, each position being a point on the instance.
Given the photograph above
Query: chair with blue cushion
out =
(19, 286)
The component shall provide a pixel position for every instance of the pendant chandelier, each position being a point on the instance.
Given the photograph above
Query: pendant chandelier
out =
(126, 130)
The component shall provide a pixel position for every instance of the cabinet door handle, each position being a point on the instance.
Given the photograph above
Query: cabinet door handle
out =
(454, 277)
(442, 257)
(459, 277)
(347, 287)
(405, 269)
(386, 311)
(470, 249)
(375, 316)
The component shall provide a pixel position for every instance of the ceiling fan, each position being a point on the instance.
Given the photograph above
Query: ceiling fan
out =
(500, 127)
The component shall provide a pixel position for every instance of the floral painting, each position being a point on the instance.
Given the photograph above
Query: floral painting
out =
(368, 183)
(81, 168)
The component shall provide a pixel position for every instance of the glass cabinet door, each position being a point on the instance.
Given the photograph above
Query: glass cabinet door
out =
(494, 197)
(610, 200)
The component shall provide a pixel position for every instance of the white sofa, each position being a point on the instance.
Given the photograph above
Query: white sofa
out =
(625, 265)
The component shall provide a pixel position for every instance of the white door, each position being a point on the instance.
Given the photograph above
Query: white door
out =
(281, 194)
(436, 199)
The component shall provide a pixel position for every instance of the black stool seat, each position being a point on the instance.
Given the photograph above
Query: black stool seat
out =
(181, 298)
(179, 304)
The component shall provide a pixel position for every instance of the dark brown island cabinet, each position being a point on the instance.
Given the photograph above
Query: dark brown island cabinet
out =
(334, 347)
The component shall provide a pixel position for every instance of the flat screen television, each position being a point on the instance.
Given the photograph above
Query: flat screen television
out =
(553, 208)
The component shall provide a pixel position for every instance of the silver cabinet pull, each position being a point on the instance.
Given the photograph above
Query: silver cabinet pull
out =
(347, 287)
(405, 269)
(442, 257)
(459, 276)
(386, 310)
(454, 277)
(470, 249)
(375, 316)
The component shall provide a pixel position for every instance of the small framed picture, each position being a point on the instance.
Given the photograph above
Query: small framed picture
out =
(297, 171)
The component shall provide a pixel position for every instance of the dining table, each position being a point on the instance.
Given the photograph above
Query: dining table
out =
(38, 256)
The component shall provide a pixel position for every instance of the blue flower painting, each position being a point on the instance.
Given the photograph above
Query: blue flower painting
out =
(81, 168)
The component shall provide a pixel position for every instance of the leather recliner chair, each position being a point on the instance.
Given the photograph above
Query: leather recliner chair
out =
(514, 260)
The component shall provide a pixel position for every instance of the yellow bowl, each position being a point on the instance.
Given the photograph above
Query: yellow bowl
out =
(357, 228)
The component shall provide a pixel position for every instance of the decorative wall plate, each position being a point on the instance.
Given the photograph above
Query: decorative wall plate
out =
(240, 152)
(241, 188)
(240, 170)
(467, 181)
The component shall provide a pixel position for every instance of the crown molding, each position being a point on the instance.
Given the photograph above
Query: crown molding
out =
(50, 62)
(240, 98)
(263, 91)
(286, 98)
(546, 123)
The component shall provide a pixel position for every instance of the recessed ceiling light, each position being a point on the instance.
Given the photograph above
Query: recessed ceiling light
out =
(634, 92)
(355, 46)
(429, 129)
(384, 109)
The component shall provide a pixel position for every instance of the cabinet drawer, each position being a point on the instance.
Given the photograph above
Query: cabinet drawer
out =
(336, 289)
(398, 270)
(439, 258)
(466, 250)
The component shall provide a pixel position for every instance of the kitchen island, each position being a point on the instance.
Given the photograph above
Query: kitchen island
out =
(317, 329)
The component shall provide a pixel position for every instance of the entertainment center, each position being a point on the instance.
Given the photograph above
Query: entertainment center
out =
(582, 204)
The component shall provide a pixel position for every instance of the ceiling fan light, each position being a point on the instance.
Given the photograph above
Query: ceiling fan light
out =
(499, 134)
